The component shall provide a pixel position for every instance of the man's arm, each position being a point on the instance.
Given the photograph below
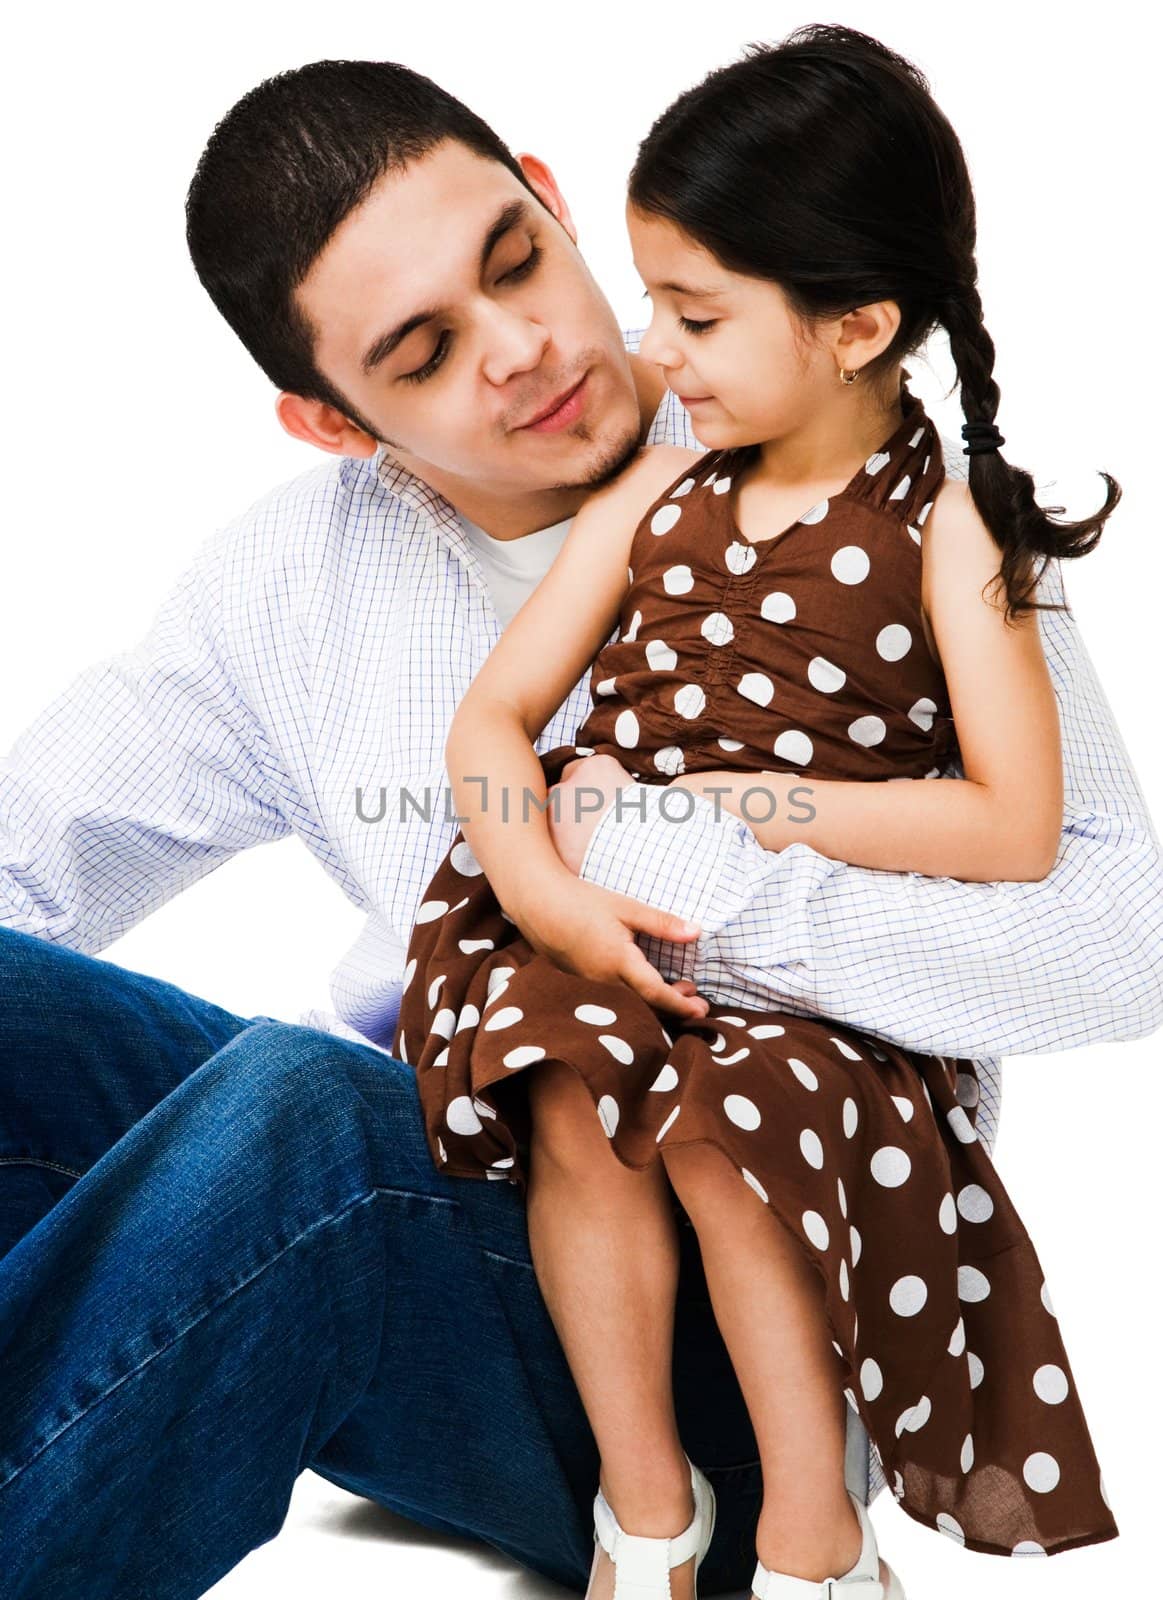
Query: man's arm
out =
(144, 775)
(929, 963)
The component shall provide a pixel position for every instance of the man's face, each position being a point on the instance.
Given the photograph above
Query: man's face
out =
(452, 309)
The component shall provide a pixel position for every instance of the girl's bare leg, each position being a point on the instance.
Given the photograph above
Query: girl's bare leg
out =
(605, 1249)
(768, 1302)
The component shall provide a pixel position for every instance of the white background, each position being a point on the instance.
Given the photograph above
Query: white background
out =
(135, 425)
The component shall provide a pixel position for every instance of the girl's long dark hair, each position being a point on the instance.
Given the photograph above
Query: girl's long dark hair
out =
(823, 164)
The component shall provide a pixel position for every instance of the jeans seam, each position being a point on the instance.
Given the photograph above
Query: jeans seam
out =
(323, 1222)
(37, 1161)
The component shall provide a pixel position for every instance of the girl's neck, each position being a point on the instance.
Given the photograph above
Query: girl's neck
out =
(831, 445)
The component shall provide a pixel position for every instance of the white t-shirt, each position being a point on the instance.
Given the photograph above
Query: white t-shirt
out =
(514, 567)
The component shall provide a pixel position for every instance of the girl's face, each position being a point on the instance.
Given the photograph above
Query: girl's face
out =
(728, 345)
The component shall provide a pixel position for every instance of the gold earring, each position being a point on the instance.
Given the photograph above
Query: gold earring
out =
(851, 379)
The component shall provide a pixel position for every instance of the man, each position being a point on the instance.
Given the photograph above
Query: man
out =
(228, 1254)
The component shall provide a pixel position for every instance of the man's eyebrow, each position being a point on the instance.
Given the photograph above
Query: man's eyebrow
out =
(510, 214)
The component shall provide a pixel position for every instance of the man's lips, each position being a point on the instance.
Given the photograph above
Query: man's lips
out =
(560, 410)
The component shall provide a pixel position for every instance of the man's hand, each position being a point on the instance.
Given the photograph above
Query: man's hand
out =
(574, 815)
(590, 931)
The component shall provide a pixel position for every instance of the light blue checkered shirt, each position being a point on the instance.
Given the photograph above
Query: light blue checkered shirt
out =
(311, 658)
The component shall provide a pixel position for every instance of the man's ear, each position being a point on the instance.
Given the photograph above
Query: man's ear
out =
(317, 423)
(545, 184)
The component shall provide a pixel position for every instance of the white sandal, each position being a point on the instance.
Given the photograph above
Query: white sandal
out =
(862, 1582)
(642, 1564)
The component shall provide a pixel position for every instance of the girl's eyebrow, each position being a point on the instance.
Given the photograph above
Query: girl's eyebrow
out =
(690, 291)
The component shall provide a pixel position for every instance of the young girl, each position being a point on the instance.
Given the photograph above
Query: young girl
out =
(810, 611)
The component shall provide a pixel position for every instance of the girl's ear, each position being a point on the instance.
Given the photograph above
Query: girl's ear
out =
(863, 333)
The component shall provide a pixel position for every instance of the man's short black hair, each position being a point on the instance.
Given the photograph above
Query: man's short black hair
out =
(281, 171)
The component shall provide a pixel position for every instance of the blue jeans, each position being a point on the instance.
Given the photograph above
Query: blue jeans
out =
(226, 1256)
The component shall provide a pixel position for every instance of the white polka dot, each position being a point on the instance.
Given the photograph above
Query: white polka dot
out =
(678, 580)
(744, 1113)
(957, 1339)
(904, 1105)
(717, 628)
(976, 1369)
(600, 1016)
(461, 1116)
(908, 1295)
(871, 1378)
(665, 518)
(1040, 1471)
(842, 1199)
(750, 1178)
(434, 989)
(793, 746)
(409, 974)
(608, 1114)
(739, 558)
(854, 1239)
(947, 1215)
(817, 513)
(444, 1022)
(844, 1278)
(1028, 1547)
(631, 632)
(729, 1061)
(851, 1117)
(469, 946)
(684, 487)
(850, 564)
(761, 1030)
(618, 1048)
(607, 686)
(669, 760)
(867, 730)
(498, 978)
(523, 1055)
(890, 1166)
(825, 676)
(504, 1018)
(893, 642)
(967, 1452)
(922, 712)
(845, 1048)
(914, 534)
(1050, 1384)
(902, 488)
(659, 656)
(950, 1525)
(811, 1148)
(974, 1204)
(777, 607)
(666, 1080)
(464, 861)
(730, 744)
(961, 1125)
(803, 1072)
(440, 1147)
(915, 1417)
(674, 1111)
(924, 512)
(968, 1089)
(816, 1229)
(690, 700)
(972, 1284)
(469, 1017)
(626, 729)
(1102, 1491)
(430, 910)
(1046, 1299)
(877, 462)
(722, 485)
(756, 686)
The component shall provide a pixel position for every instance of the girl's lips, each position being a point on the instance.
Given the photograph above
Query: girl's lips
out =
(569, 410)
(694, 399)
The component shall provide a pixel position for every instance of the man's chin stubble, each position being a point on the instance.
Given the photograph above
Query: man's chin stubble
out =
(610, 463)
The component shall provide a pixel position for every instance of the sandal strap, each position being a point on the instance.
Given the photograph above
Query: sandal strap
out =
(767, 1585)
(642, 1562)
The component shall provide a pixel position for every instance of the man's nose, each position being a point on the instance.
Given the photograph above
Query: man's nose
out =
(513, 343)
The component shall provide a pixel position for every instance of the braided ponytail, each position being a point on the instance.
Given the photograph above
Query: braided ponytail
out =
(1002, 493)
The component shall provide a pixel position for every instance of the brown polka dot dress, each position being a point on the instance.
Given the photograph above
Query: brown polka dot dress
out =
(804, 652)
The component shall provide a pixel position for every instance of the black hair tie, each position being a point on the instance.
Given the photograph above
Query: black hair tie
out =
(980, 437)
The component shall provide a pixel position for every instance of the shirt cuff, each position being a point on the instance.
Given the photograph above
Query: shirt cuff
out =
(672, 849)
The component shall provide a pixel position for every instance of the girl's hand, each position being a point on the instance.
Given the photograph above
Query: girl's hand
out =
(589, 930)
(571, 825)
